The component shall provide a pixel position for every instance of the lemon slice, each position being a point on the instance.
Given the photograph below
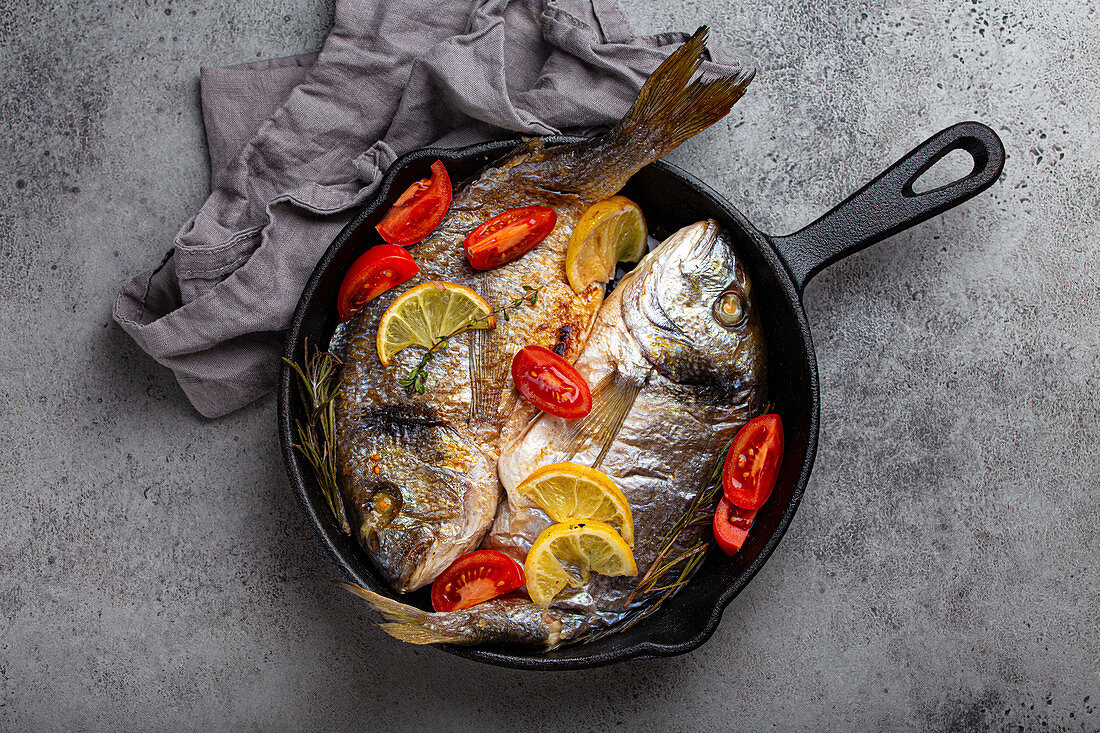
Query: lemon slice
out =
(608, 232)
(571, 491)
(427, 313)
(587, 546)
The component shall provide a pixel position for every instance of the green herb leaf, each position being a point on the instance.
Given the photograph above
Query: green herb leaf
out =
(318, 385)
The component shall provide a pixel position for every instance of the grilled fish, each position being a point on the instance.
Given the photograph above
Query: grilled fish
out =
(678, 356)
(418, 471)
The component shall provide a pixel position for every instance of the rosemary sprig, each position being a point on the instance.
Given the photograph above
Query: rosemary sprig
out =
(667, 575)
(699, 512)
(415, 380)
(678, 570)
(318, 383)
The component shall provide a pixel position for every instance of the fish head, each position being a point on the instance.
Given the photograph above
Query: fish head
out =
(689, 308)
(420, 492)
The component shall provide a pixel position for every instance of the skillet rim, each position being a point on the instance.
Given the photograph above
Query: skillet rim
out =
(535, 659)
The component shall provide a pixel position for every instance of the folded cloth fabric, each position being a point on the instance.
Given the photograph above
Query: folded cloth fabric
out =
(297, 144)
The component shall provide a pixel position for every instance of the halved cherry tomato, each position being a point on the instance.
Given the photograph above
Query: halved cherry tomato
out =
(731, 526)
(508, 236)
(376, 271)
(419, 210)
(474, 578)
(748, 475)
(550, 383)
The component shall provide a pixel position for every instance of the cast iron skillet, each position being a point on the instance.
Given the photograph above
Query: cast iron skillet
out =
(780, 267)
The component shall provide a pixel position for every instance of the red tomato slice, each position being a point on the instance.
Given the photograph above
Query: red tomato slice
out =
(508, 236)
(376, 271)
(474, 578)
(748, 475)
(550, 383)
(419, 210)
(731, 526)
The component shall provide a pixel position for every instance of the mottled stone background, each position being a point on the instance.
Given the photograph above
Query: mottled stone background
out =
(155, 571)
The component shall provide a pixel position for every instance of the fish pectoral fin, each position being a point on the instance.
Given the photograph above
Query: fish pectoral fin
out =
(486, 376)
(612, 399)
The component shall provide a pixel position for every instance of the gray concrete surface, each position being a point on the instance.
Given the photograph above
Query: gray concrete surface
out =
(155, 572)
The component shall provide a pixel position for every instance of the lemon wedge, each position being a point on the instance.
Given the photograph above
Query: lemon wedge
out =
(427, 313)
(609, 231)
(587, 546)
(571, 491)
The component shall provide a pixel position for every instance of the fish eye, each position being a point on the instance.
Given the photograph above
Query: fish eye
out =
(729, 309)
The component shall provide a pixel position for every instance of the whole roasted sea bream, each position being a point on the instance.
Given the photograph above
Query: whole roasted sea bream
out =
(418, 471)
(677, 360)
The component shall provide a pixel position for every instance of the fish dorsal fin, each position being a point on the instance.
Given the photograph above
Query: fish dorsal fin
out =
(612, 399)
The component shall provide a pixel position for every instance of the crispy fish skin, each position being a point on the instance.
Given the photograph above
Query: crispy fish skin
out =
(418, 530)
(678, 350)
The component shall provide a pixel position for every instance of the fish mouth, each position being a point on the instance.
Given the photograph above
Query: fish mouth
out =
(685, 244)
(699, 239)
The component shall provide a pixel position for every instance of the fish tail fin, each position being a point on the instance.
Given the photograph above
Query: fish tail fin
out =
(406, 623)
(502, 620)
(672, 108)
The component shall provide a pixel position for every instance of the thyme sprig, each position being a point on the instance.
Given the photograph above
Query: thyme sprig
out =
(415, 380)
(318, 383)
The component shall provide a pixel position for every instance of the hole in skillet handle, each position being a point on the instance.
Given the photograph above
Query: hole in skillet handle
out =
(889, 204)
(952, 166)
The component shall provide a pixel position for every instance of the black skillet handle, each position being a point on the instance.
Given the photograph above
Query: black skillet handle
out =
(888, 204)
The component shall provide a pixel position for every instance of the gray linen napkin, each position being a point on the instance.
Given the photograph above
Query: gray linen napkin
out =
(297, 144)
